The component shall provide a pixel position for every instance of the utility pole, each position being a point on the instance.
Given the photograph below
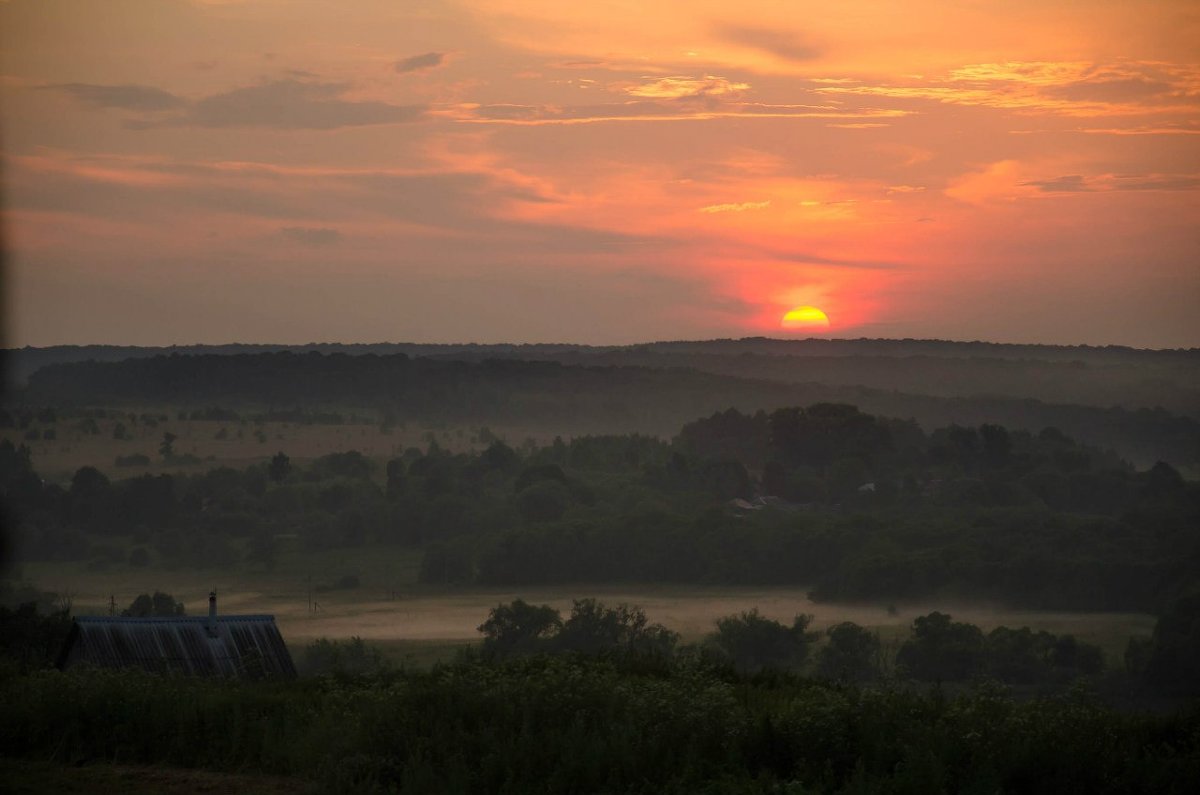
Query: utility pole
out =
(112, 604)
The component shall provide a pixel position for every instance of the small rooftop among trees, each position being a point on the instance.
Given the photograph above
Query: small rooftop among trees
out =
(242, 647)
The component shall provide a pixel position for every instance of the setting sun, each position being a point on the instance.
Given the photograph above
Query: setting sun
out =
(805, 317)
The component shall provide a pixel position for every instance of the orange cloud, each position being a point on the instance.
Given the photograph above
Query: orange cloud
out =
(738, 207)
(1072, 88)
(1000, 180)
(678, 87)
(537, 115)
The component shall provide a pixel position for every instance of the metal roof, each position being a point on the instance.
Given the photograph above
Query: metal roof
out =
(247, 647)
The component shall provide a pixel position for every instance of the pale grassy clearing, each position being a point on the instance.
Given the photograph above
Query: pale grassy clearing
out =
(238, 443)
(688, 610)
(405, 619)
(384, 571)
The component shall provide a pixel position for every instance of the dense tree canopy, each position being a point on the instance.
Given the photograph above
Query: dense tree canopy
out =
(850, 505)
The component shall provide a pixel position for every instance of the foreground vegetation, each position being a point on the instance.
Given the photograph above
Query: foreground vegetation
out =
(605, 701)
(594, 724)
(35, 777)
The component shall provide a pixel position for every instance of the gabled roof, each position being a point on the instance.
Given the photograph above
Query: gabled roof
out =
(248, 647)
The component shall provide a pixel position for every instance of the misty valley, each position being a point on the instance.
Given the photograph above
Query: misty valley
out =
(682, 568)
(519, 397)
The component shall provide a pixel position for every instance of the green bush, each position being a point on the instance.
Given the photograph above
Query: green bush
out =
(342, 657)
(751, 643)
(133, 459)
(594, 628)
(1174, 660)
(30, 638)
(160, 604)
(519, 628)
(853, 654)
(946, 650)
(941, 650)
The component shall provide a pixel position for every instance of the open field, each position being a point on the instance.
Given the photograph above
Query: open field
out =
(426, 618)
(422, 625)
(238, 443)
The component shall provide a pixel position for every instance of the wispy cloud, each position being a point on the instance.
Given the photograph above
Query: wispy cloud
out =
(124, 97)
(312, 206)
(1071, 183)
(999, 180)
(311, 235)
(1077, 183)
(779, 43)
(651, 111)
(680, 87)
(1143, 129)
(416, 63)
(298, 102)
(294, 105)
(1073, 88)
(1115, 89)
(739, 207)
(810, 258)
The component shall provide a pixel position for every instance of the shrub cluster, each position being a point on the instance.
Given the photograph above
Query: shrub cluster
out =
(583, 724)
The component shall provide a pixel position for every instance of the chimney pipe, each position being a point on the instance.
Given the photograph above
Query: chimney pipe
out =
(212, 614)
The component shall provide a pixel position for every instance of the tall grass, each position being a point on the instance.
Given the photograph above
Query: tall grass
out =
(574, 725)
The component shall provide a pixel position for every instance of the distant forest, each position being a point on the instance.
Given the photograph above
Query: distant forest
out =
(856, 506)
(1087, 375)
(612, 398)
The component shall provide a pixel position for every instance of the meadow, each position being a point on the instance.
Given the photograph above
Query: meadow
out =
(235, 443)
(420, 624)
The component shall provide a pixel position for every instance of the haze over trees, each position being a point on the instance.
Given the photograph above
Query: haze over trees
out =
(700, 477)
(1086, 375)
(654, 389)
(853, 505)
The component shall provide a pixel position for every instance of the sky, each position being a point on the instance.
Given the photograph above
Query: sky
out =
(215, 171)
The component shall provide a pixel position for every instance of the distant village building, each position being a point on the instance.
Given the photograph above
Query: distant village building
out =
(243, 647)
(741, 507)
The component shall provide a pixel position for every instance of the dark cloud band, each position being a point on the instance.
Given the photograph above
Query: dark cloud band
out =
(124, 97)
(416, 63)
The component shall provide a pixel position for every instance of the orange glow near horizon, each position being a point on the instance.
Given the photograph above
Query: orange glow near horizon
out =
(534, 171)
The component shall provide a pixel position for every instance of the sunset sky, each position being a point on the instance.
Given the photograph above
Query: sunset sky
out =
(605, 172)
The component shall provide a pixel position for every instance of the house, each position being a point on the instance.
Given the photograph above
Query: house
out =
(741, 507)
(243, 647)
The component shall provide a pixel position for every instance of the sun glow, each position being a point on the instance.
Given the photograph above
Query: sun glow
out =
(805, 317)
